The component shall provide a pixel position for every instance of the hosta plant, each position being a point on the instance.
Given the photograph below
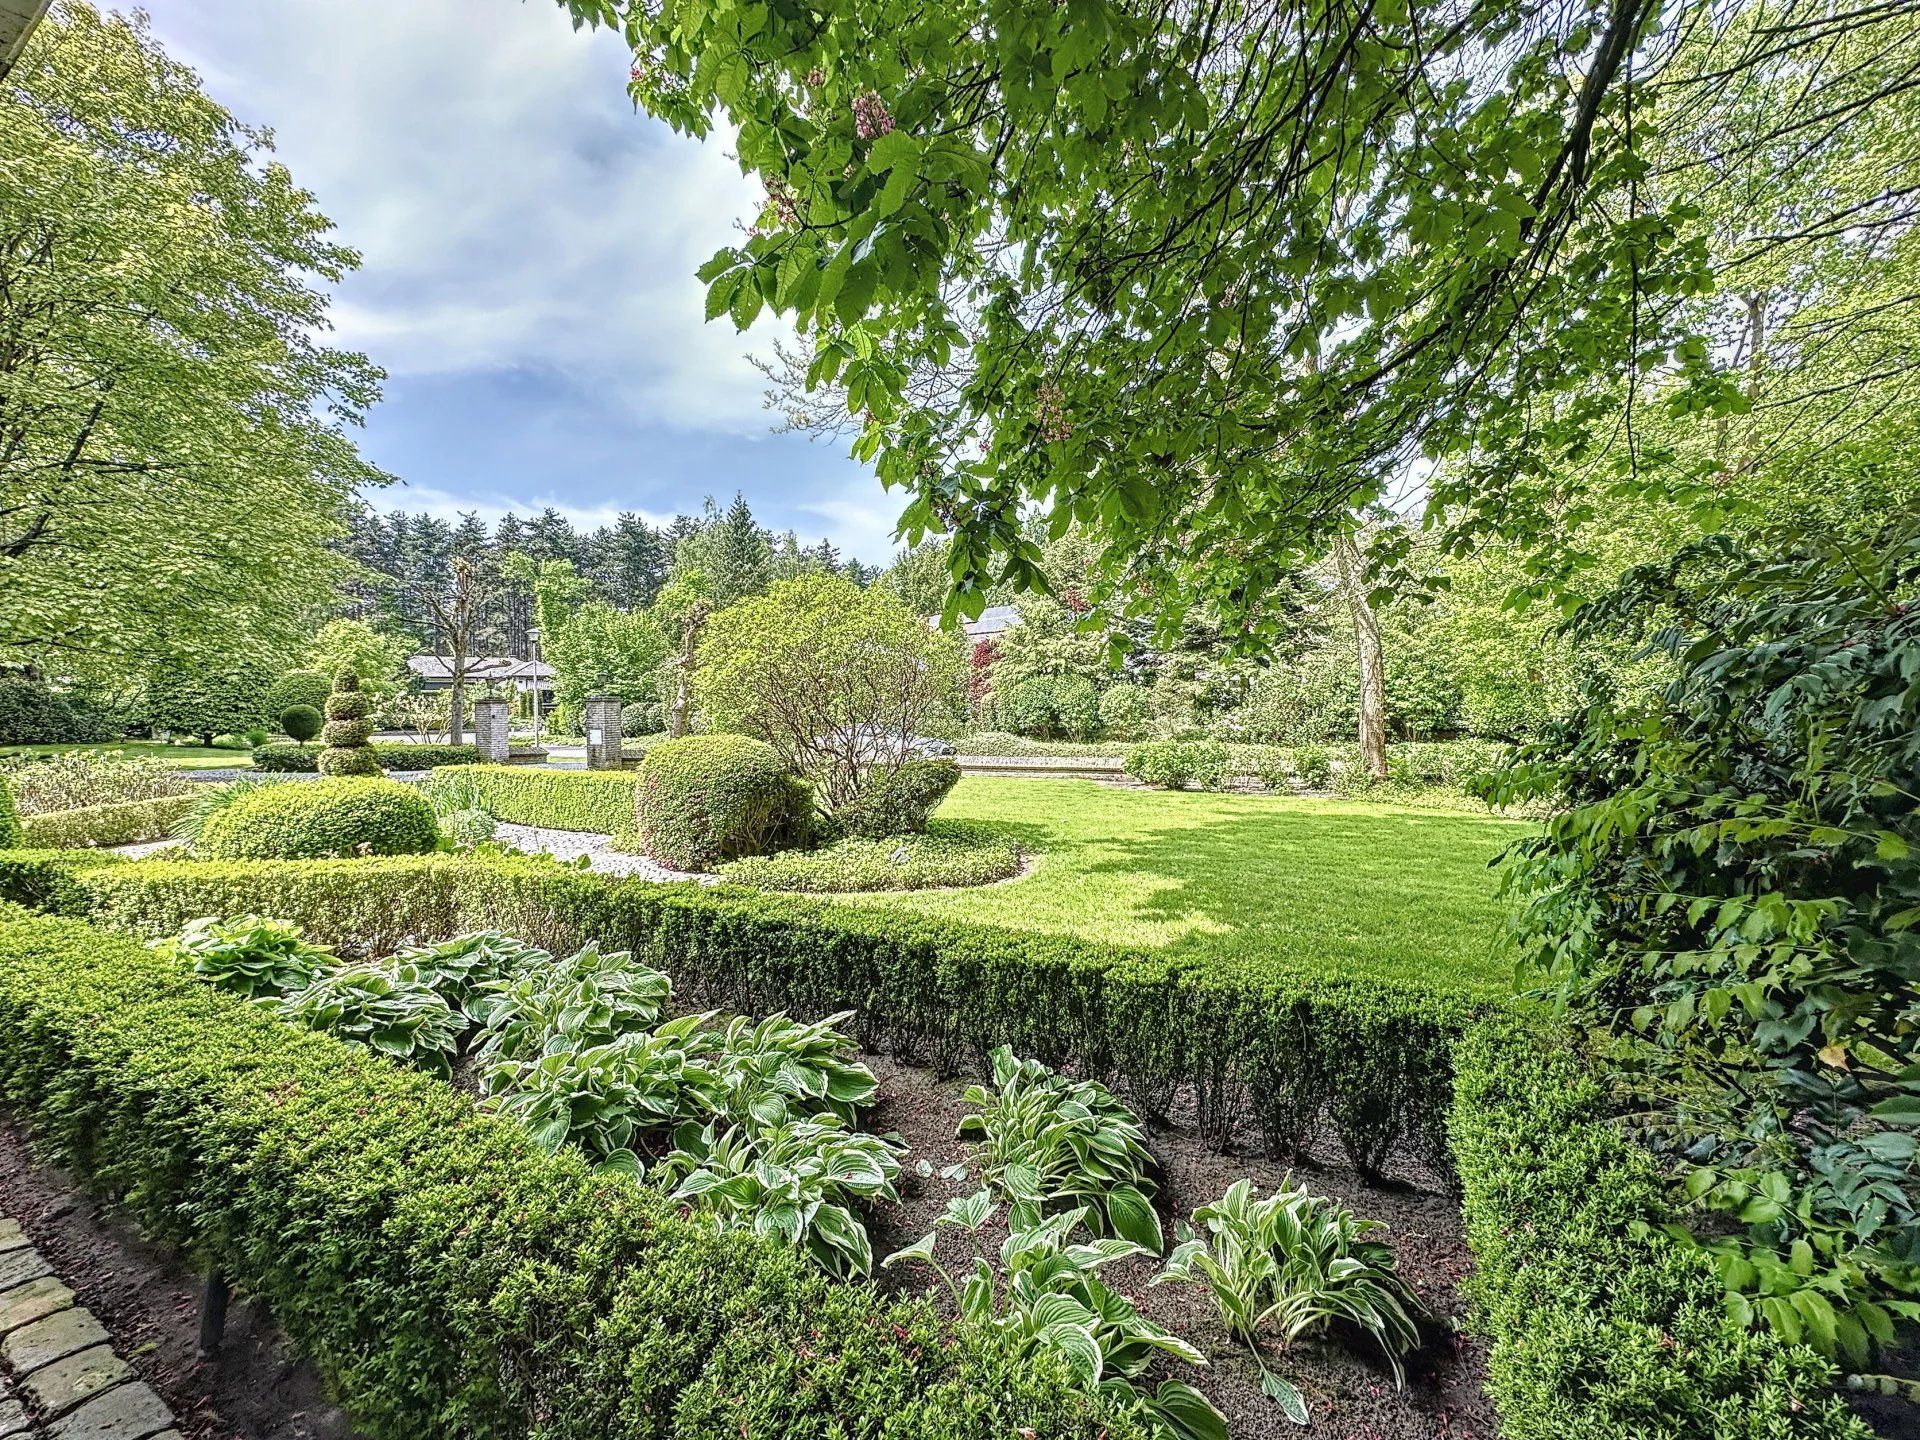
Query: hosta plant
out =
(1290, 1265)
(778, 1069)
(615, 1099)
(797, 1183)
(1049, 1296)
(1046, 1141)
(249, 955)
(391, 1009)
(580, 1003)
(457, 968)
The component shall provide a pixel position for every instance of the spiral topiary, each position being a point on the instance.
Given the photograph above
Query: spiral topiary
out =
(348, 729)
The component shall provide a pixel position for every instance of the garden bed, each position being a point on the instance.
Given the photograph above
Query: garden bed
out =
(1349, 1388)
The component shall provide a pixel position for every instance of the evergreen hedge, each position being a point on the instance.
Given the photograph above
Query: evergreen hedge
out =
(447, 1275)
(334, 816)
(288, 759)
(593, 800)
(126, 823)
(1600, 1327)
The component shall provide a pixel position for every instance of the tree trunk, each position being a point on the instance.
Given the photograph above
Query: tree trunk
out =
(1373, 665)
(677, 718)
(457, 698)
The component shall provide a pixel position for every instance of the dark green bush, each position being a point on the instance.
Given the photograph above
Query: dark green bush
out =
(588, 800)
(702, 799)
(951, 852)
(298, 687)
(1051, 707)
(33, 714)
(126, 823)
(1600, 1326)
(1176, 764)
(899, 801)
(347, 730)
(447, 1275)
(300, 722)
(336, 817)
(284, 759)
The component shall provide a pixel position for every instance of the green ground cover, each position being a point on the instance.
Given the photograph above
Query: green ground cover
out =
(187, 757)
(1365, 890)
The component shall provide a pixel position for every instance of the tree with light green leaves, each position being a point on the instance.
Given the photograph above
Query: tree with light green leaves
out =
(378, 660)
(174, 449)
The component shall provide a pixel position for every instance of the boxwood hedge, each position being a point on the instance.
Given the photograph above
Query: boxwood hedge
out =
(447, 1275)
(333, 816)
(1598, 1328)
(287, 759)
(594, 800)
(127, 823)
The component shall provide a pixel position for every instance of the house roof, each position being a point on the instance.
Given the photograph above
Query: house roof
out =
(480, 667)
(994, 620)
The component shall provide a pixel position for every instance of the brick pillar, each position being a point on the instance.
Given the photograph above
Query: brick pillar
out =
(490, 730)
(603, 733)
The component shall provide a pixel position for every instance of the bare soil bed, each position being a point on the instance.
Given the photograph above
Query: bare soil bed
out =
(257, 1389)
(1347, 1383)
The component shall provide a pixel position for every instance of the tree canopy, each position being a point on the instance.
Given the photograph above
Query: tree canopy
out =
(1214, 277)
(174, 454)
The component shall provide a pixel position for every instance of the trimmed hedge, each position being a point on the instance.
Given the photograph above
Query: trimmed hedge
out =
(1600, 1328)
(447, 1275)
(1283, 1048)
(947, 853)
(703, 799)
(10, 832)
(127, 823)
(600, 801)
(331, 817)
(287, 759)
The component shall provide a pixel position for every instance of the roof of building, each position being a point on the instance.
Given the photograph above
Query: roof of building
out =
(993, 620)
(480, 667)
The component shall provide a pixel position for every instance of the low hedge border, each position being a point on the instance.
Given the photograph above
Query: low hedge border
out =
(447, 1275)
(1600, 1329)
(600, 801)
(288, 759)
(1285, 1049)
(128, 823)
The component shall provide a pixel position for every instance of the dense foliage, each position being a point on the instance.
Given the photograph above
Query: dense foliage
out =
(1178, 764)
(208, 699)
(33, 713)
(283, 759)
(590, 800)
(1728, 892)
(703, 799)
(161, 318)
(899, 800)
(124, 822)
(327, 817)
(79, 778)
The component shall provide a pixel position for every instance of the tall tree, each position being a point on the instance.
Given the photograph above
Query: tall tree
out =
(174, 458)
(455, 605)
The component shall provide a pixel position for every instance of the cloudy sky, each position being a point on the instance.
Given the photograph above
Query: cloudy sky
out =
(529, 248)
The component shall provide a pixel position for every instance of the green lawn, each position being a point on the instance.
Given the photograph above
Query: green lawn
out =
(1363, 889)
(187, 757)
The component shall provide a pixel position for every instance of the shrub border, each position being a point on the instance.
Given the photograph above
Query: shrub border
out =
(600, 801)
(125, 822)
(447, 1275)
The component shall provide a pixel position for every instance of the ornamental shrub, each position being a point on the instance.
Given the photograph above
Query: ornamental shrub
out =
(300, 723)
(128, 822)
(335, 817)
(950, 853)
(595, 801)
(10, 836)
(286, 759)
(1125, 712)
(1026, 707)
(899, 802)
(702, 799)
(81, 778)
(298, 687)
(1176, 764)
(348, 730)
(33, 714)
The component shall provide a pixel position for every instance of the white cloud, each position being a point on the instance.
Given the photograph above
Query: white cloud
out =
(512, 209)
(445, 505)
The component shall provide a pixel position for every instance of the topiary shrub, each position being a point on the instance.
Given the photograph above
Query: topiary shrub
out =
(702, 799)
(337, 817)
(899, 802)
(301, 723)
(1176, 764)
(348, 729)
(298, 687)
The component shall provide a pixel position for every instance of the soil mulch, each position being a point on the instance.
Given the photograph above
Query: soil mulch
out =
(1348, 1385)
(256, 1389)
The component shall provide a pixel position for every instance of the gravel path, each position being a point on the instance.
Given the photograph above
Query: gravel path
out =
(601, 856)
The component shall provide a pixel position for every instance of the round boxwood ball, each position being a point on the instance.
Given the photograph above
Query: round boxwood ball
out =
(313, 820)
(703, 799)
(300, 722)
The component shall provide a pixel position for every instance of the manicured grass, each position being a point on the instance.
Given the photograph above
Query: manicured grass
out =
(1365, 890)
(187, 757)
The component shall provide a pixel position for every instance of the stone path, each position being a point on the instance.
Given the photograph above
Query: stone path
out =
(61, 1378)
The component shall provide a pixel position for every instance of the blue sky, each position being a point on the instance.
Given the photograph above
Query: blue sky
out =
(529, 248)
